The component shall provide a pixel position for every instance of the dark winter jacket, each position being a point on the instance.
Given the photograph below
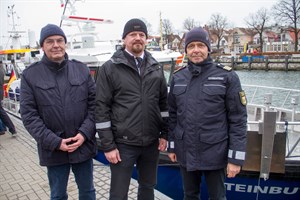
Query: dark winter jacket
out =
(57, 101)
(207, 117)
(130, 109)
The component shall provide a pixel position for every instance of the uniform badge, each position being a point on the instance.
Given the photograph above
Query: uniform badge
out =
(227, 68)
(243, 98)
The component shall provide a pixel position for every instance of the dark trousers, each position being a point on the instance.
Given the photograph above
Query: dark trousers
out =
(59, 175)
(146, 160)
(6, 120)
(214, 180)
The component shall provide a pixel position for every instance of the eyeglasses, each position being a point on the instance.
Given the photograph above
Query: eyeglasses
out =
(51, 42)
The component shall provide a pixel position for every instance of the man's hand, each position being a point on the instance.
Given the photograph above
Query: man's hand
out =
(113, 156)
(162, 144)
(172, 157)
(72, 143)
(76, 142)
(64, 144)
(232, 170)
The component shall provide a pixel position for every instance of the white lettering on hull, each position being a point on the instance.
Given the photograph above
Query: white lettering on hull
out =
(263, 190)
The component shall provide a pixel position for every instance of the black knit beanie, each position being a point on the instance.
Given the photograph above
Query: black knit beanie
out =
(197, 34)
(49, 30)
(134, 25)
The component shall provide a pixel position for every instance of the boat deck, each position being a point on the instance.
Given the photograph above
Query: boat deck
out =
(22, 177)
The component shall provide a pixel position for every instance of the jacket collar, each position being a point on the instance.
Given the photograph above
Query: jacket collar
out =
(54, 65)
(120, 58)
(197, 68)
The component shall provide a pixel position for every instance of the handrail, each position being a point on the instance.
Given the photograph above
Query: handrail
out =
(277, 123)
(282, 101)
(270, 87)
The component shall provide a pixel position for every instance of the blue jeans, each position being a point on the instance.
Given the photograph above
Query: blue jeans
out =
(146, 160)
(6, 120)
(2, 126)
(59, 175)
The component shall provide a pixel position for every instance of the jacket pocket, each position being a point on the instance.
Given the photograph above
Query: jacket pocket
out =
(212, 138)
(214, 89)
(212, 98)
(179, 89)
(45, 94)
(212, 145)
(78, 91)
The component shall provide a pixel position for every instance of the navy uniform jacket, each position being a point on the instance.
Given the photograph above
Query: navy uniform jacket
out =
(207, 115)
(57, 101)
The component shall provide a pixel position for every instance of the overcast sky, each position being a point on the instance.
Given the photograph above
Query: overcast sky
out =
(34, 14)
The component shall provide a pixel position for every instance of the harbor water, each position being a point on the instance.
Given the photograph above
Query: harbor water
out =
(290, 79)
(273, 80)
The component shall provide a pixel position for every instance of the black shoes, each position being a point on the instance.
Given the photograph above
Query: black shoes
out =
(13, 133)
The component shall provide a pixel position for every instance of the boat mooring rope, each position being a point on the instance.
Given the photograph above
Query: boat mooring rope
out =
(258, 185)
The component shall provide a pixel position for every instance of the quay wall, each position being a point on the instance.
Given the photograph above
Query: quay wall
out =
(279, 66)
(262, 62)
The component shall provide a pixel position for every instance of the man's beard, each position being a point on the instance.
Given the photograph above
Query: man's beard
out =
(137, 48)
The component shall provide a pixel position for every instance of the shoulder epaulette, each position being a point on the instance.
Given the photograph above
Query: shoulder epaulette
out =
(181, 68)
(33, 64)
(227, 68)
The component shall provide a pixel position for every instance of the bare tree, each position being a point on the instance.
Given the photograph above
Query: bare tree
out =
(190, 23)
(167, 26)
(288, 11)
(258, 22)
(218, 24)
(149, 26)
(167, 29)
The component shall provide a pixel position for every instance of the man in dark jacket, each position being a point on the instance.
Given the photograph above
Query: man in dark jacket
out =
(57, 103)
(207, 120)
(131, 113)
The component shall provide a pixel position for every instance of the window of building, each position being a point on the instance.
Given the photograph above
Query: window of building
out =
(236, 38)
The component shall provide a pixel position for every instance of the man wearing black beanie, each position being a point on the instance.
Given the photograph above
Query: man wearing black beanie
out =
(131, 113)
(207, 120)
(57, 103)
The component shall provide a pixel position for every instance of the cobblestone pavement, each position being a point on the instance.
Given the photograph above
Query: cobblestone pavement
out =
(22, 178)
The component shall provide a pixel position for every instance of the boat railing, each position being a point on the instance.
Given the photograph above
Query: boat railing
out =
(262, 98)
(263, 95)
(12, 104)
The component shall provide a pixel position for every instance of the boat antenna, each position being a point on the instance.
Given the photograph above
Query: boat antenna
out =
(63, 12)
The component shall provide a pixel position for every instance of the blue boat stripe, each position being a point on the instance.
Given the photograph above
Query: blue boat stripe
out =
(103, 125)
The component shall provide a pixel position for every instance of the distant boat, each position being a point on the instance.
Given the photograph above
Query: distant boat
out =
(84, 44)
(13, 49)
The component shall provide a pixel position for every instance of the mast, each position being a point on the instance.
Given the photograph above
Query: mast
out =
(15, 35)
(161, 35)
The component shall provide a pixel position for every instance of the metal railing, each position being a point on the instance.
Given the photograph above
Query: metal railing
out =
(12, 104)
